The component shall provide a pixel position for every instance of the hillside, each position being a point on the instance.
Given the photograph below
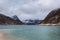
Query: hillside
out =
(52, 18)
(5, 20)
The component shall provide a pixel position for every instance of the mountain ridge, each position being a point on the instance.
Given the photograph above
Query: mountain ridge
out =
(53, 17)
(6, 20)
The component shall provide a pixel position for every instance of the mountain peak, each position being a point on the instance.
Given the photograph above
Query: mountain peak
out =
(5, 20)
(16, 18)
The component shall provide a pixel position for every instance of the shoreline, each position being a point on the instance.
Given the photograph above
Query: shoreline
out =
(49, 24)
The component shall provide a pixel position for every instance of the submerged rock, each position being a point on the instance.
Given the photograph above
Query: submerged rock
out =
(6, 35)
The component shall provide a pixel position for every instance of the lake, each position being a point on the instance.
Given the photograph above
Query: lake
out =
(29, 32)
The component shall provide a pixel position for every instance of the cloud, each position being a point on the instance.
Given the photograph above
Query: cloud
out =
(28, 9)
(2, 1)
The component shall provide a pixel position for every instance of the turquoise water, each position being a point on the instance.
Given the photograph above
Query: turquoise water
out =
(25, 32)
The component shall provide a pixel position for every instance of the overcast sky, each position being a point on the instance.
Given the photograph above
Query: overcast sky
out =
(28, 9)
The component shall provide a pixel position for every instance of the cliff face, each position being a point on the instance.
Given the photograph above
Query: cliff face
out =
(5, 20)
(52, 18)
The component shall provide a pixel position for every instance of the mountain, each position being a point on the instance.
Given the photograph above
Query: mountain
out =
(16, 18)
(52, 18)
(32, 22)
(5, 20)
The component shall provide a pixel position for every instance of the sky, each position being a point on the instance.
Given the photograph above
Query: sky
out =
(28, 9)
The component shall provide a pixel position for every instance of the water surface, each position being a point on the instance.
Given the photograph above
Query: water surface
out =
(25, 32)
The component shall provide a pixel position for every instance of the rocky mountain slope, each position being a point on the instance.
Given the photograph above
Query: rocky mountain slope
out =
(5, 20)
(52, 18)
(16, 18)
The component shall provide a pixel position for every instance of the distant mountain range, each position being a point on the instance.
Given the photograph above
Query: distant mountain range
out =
(14, 20)
(52, 18)
(32, 22)
(5, 20)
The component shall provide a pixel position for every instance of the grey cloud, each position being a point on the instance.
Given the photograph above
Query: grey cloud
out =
(28, 9)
